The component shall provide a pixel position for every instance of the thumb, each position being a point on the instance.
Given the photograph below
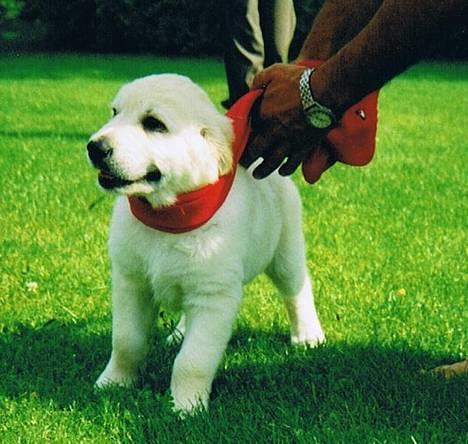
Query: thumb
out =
(263, 78)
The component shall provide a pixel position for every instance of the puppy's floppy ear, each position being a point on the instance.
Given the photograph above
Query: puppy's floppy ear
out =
(219, 137)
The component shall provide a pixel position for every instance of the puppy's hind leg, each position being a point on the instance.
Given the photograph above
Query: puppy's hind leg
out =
(304, 322)
(288, 271)
(133, 314)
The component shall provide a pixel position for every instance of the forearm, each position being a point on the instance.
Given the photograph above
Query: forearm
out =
(396, 37)
(335, 25)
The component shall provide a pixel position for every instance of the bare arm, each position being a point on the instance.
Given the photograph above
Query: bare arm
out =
(398, 34)
(336, 24)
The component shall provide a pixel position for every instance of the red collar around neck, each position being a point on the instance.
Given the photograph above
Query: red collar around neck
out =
(351, 142)
(195, 208)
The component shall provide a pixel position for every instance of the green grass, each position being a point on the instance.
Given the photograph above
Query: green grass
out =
(387, 249)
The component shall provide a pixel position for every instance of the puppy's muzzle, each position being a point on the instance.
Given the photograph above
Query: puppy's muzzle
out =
(99, 151)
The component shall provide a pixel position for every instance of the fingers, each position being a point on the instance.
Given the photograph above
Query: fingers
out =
(317, 163)
(285, 150)
(271, 162)
(254, 150)
(267, 145)
(293, 162)
(270, 144)
(262, 143)
(314, 162)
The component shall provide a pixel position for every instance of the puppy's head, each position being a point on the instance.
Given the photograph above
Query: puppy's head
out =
(165, 138)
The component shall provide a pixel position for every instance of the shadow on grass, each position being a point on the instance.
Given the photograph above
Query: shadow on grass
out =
(366, 384)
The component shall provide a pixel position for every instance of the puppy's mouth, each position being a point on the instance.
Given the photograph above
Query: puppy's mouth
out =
(110, 181)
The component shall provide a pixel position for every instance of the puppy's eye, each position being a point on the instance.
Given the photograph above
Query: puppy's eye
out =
(153, 124)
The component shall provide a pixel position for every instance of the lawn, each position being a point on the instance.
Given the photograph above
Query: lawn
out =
(387, 250)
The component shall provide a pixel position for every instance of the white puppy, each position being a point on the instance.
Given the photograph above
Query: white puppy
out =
(166, 138)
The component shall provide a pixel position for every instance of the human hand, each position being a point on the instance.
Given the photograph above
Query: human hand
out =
(281, 130)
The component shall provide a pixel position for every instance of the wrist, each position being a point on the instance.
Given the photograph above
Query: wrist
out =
(325, 93)
(318, 116)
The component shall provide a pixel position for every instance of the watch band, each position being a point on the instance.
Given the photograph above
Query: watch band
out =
(304, 88)
(309, 104)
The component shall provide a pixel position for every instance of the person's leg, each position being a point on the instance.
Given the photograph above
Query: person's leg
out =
(278, 23)
(244, 53)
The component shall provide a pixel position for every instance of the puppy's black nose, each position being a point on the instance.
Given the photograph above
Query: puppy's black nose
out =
(98, 152)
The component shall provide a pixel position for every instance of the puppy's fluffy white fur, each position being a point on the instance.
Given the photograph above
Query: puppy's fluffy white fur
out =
(201, 273)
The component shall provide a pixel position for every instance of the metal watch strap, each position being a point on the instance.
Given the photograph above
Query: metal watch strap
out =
(307, 98)
(304, 88)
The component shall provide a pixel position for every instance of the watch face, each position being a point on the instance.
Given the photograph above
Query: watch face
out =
(320, 119)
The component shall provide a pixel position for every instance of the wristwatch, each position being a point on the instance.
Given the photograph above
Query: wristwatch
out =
(317, 115)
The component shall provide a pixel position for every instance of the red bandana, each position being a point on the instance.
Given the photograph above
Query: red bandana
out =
(352, 142)
(195, 208)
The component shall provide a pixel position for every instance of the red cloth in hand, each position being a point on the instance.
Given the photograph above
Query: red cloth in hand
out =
(351, 142)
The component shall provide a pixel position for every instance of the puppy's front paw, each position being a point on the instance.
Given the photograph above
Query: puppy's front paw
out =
(185, 406)
(308, 337)
(110, 377)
